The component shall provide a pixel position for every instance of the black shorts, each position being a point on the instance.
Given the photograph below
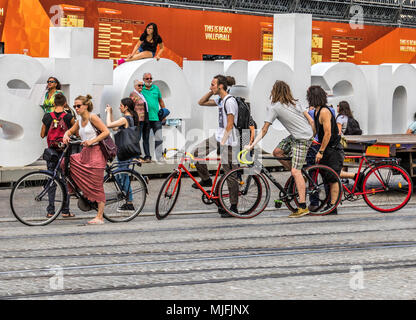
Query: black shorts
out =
(333, 157)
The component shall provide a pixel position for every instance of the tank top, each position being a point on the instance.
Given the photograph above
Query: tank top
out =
(335, 137)
(88, 132)
(130, 121)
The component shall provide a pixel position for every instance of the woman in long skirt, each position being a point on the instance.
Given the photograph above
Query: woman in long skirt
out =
(87, 168)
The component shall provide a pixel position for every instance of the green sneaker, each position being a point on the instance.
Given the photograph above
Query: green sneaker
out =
(299, 213)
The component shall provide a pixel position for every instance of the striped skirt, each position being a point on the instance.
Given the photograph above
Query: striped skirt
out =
(87, 169)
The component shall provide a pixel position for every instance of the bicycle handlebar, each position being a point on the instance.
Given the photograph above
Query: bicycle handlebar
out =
(71, 142)
(186, 154)
(242, 157)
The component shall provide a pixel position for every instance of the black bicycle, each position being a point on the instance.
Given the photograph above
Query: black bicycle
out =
(35, 194)
(317, 177)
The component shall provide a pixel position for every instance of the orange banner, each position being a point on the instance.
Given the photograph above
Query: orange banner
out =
(3, 10)
(193, 34)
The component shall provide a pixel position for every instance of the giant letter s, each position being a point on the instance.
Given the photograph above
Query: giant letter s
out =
(20, 116)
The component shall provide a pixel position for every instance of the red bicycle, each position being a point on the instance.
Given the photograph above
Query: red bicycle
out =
(385, 186)
(171, 187)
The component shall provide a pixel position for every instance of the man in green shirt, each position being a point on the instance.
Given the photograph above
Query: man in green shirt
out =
(154, 102)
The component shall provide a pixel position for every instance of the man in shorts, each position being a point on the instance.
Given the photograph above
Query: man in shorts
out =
(299, 124)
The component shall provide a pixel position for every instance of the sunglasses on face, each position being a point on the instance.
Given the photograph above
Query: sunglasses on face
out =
(51, 81)
(148, 78)
(140, 85)
(77, 106)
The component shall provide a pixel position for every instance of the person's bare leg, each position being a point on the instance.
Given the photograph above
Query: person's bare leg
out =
(300, 184)
(99, 219)
(278, 153)
(139, 56)
(347, 175)
(334, 190)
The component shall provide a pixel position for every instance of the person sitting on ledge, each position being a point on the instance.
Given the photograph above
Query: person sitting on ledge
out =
(146, 47)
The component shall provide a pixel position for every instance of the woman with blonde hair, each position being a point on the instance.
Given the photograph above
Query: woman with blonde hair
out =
(87, 168)
(299, 123)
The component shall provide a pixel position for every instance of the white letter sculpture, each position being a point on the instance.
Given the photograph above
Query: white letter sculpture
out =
(20, 114)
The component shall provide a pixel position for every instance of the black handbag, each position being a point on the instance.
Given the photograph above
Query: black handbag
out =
(127, 142)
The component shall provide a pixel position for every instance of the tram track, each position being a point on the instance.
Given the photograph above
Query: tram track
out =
(8, 254)
(264, 252)
(186, 252)
(307, 220)
(269, 273)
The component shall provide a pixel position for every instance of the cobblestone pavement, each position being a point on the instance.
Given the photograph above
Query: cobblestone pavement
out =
(195, 254)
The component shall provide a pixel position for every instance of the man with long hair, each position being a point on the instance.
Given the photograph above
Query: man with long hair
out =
(298, 122)
(331, 152)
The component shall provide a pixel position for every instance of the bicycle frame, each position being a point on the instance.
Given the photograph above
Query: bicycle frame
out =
(257, 165)
(262, 170)
(368, 166)
(210, 196)
(66, 178)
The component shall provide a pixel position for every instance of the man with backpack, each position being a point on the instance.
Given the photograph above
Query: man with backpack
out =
(225, 141)
(54, 126)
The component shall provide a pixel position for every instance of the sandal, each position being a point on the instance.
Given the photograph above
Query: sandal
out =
(68, 215)
(49, 215)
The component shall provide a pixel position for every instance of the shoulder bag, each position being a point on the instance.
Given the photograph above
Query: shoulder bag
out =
(108, 147)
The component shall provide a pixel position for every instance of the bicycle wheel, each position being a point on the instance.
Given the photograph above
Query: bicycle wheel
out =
(321, 181)
(291, 192)
(168, 195)
(36, 195)
(387, 188)
(247, 190)
(125, 195)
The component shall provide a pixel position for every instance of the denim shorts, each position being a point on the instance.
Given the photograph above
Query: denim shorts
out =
(141, 50)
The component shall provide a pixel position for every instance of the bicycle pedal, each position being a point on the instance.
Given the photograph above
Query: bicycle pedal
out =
(278, 204)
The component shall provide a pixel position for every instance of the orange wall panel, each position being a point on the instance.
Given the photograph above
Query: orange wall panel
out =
(192, 33)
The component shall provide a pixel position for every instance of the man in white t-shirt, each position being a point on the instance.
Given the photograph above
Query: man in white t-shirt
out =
(225, 138)
(299, 124)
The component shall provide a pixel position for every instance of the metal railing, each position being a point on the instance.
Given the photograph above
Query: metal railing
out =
(386, 12)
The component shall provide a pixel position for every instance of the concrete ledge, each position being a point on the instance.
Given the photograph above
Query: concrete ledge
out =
(11, 175)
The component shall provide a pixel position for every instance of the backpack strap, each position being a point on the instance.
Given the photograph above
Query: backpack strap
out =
(53, 115)
(225, 109)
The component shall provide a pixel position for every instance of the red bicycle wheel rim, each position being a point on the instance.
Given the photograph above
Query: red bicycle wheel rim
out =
(367, 199)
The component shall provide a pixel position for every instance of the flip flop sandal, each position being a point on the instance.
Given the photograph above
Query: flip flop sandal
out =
(68, 215)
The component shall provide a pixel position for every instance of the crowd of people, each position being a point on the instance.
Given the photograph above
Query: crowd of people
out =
(141, 110)
(314, 136)
(315, 133)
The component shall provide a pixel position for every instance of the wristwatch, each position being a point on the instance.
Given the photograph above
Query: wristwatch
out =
(321, 152)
